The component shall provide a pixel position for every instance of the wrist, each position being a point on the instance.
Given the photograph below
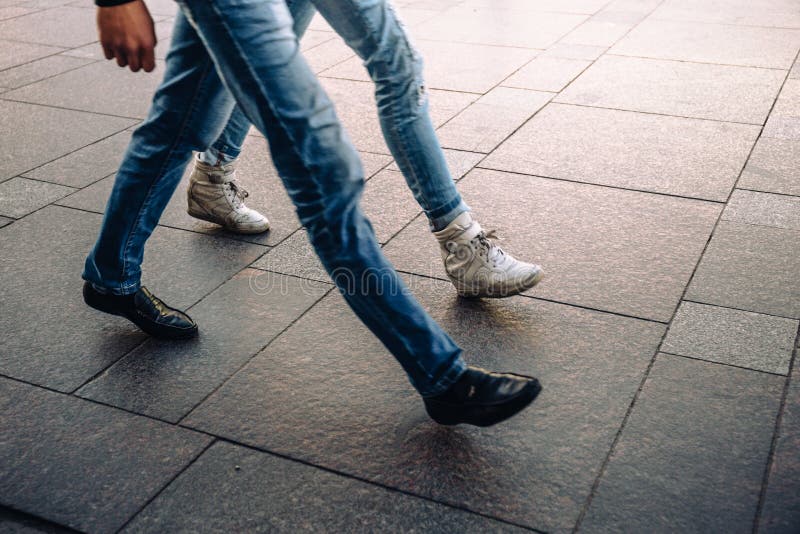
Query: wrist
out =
(111, 3)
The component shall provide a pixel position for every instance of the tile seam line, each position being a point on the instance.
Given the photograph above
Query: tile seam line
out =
(88, 63)
(696, 62)
(77, 189)
(745, 223)
(734, 25)
(63, 49)
(373, 483)
(776, 433)
(789, 195)
(4, 97)
(636, 396)
(48, 522)
(740, 309)
(723, 364)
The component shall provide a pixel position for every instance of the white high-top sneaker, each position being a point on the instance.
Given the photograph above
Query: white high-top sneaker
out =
(214, 196)
(478, 267)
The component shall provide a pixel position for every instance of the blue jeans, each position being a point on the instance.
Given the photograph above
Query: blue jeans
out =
(402, 110)
(250, 43)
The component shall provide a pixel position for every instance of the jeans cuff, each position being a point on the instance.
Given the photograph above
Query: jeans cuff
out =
(449, 378)
(214, 157)
(440, 218)
(124, 289)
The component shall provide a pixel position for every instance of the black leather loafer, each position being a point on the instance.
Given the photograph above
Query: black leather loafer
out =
(483, 398)
(145, 310)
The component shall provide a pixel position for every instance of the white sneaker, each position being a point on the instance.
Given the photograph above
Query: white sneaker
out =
(214, 196)
(478, 267)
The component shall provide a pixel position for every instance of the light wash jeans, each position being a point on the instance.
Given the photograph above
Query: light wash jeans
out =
(250, 44)
(402, 109)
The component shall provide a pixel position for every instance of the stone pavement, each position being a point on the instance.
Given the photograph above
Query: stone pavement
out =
(646, 152)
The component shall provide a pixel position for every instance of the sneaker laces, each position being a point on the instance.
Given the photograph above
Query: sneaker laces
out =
(493, 253)
(239, 194)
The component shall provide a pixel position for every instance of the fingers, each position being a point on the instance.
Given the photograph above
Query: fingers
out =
(148, 58)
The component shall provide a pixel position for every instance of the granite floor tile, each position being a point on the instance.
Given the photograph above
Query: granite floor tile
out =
(734, 337)
(581, 7)
(794, 74)
(296, 257)
(39, 70)
(600, 31)
(458, 161)
(328, 54)
(79, 464)
(620, 251)
(11, 12)
(499, 27)
(13, 522)
(547, 73)
(5, 221)
(784, 121)
(736, 94)
(773, 167)
(87, 89)
(772, 13)
(20, 196)
(752, 268)
(445, 69)
(765, 209)
(87, 165)
(746, 46)
(574, 51)
(389, 204)
(355, 106)
(30, 139)
(66, 27)
(362, 417)
(678, 156)
(491, 119)
(248, 491)
(13, 53)
(164, 379)
(50, 248)
(672, 470)
(781, 511)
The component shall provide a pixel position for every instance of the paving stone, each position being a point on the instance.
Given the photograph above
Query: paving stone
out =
(774, 13)
(547, 73)
(781, 512)
(389, 204)
(743, 339)
(13, 53)
(166, 380)
(794, 74)
(249, 491)
(88, 89)
(66, 27)
(87, 165)
(445, 69)
(13, 11)
(564, 6)
(13, 522)
(20, 196)
(737, 94)
(500, 27)
(39, 70)
(491, 119)
(679, 156)
(620, 251)
(773, 167)
(711, 43)
(29, 140)
(361, 416)
(5, 221)
(52, 441)
(255, 173)
(672, 470)
(765, 209)
(752, 268)
(599, 31)
(355, 106)
(50, 247)
(296, 257)
(574, 51)
(784, 121)
(459, 162)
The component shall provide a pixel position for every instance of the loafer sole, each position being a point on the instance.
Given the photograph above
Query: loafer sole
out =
(487, 415)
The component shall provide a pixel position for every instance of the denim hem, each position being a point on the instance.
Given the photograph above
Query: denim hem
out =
(125, 289)
(449, 378)
(441, 217)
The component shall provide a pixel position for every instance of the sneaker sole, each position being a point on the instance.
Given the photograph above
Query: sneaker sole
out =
(234, 229)
(470, 293)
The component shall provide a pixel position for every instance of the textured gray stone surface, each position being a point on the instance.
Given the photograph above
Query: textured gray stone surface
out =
(5, 221)
(748, 46)
(734, 337)
(87, 165)
(166, 380)
(620, 251)
(773, 167)
(690, 475)
(232, 488)
(781, 512)
(752, 268)
(750, 207)
(784, 121)
(83, 465)
(30, 139)
(65, 27)
(55, 340)
(679, 156)
(602, 31)
(296, 257)
(574, 51)
(344, 403)
(20, 196)
(389, 204)
(39, 70)
(585, 7)
(775, 13)
(547, 73)
(14, 522)
(14, 53)
(491, 119)
(677, 88)
(458, 161)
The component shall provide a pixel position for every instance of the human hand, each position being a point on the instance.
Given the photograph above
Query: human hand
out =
(127, 34)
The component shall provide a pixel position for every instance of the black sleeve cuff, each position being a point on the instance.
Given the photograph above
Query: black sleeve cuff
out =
(110, 3)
